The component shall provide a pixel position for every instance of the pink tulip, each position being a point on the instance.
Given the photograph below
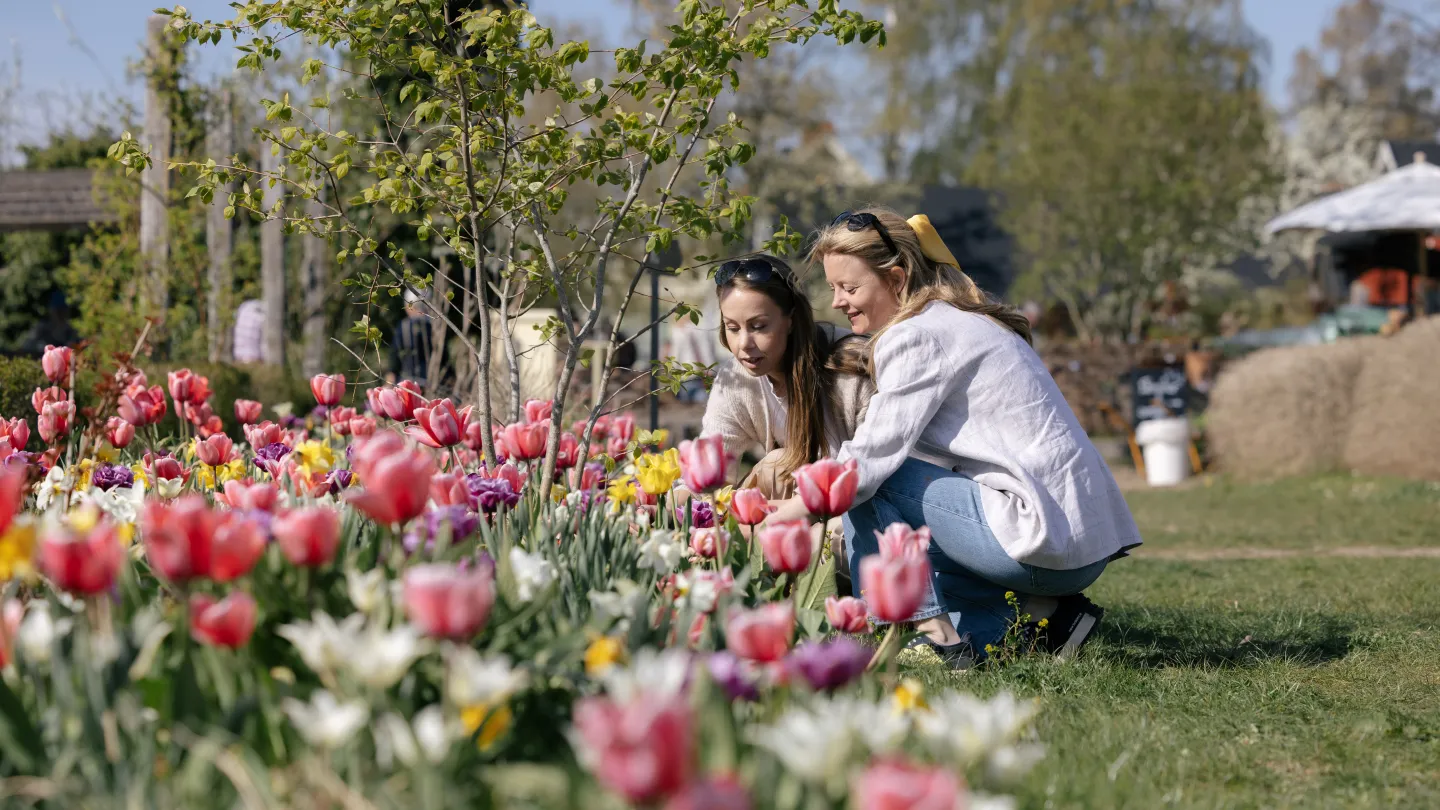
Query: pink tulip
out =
(508, 473)
(708, 543)
(54, 421)
(397, 485)
(328, 388)
(215, 450)
(18, 430)
(899, 540)
(372, 398)
(199, 389)
(474, 436)
(616, 447)
(895, 587)
(362, 426)
(846, 614)
(180, 382)
(715, 793)
(368, 453)
(247, 411)
(750, 507)
(569, 453)
(762, 634)
(439, 425)
(264, 434)
(449, 489)
(827, 487)
(226, 623)
(787, 546)
(119, 432)
(44, 396)
(210, 427)
(12, 612)
(538, 410)
(84, 565)
(446, 602)
(13, 484)
(166, 468)
(525, 442)
(308, 537)
(643, 750)
(622, 427)
(702, 463)
(249, 495)
(56, 363)
(895, 785)
(140, 406)
(189, 540)
(399, 403)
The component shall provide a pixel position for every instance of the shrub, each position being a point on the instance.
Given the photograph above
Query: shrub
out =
(19, 377)
(1395, 428)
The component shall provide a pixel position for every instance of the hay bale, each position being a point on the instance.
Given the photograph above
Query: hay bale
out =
(1286, 411)
(1395, 427)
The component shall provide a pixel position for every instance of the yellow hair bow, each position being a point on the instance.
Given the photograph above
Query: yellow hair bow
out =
(930, 242)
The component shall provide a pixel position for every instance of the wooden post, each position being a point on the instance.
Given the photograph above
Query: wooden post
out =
(219, 234)
(317, 280)
(435, 362)
(272, 262)
(155, 181)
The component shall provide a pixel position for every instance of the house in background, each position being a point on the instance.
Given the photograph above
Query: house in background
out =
(1393, 155)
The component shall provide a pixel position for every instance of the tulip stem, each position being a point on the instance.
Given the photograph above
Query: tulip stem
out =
(883, 652)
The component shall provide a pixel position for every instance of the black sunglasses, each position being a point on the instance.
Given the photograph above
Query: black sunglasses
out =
(859, 222)
(755, 270)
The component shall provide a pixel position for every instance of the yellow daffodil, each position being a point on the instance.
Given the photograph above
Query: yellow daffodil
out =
(658, 472)
(909, 696)
(558, 493)
(622, 490)
(83, 469)
(107, 453)
(491, 721)
(140, 476)
(17, 550)
(312, 457)
(83, 519)
(722, 502)
(602, 654)
(204, 476)
(233, 470)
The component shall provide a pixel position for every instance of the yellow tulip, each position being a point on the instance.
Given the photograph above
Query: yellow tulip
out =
(17, 550)
(658, 472)
(602, 654)
(491, 721)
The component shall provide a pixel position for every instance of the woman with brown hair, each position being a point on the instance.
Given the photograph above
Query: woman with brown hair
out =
(1021, 500)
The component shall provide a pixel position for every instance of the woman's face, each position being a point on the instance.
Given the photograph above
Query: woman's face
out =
(756, 329)
(867, 299)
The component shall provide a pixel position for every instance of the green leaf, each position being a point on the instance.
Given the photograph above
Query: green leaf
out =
(19, 738)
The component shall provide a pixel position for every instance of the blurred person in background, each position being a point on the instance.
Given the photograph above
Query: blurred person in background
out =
(410, 344)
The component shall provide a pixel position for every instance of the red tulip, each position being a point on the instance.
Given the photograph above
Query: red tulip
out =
(369, 452)
(141, 406)
(525, 442)
(762, 634)
(616, 447)
(715, 793)
(18, 430)
(702, 463)
(54, 421)
(846, 614)
(895, 785)
(226, 623)
(787, 546)
(189, 540)
(592, 476)
(199, 390)
(446, 602)
(396, 485)
(622, 427)
(264, 434)
(82, 565)
(439, 425)
(475, 436)
(895, 587)
(539, 410)
(827, 487)
(197, 414)
(340, 420)
(45, 396)
(56, 363)
(750, 507)
(899, 540)
(215, 450)
(13, 483)
(247, 411)
(167, 468)
(308, 537)
(449, 489)
(327, 388)
(12, 612)
(250, 495)
(362, 426)
(569, 453)
(119, 432)
(180, 382)
(643, 750)
(708, 543)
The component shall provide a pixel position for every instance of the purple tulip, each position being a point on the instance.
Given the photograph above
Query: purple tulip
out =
(829, 665)
(109, 476)
(702, 514)
(462, 523)
(736, 677)
(489, 494)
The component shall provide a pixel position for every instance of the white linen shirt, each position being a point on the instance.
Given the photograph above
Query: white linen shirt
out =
(959, 386)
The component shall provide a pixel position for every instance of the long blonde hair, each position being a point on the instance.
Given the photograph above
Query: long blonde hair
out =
(926, 280)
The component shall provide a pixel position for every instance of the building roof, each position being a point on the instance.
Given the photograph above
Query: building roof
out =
(1395, 154)
(49, 200)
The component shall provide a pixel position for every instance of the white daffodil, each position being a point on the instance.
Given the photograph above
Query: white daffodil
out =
(1008, 764)
(366, 589)
(877, 725)
(660, 552)
(966, 729)
(816, 746)
(472, 679)
(434, 732)
(324, 645)
(122, 504)
(652, 674)
(697, 591)
(325, 722)
(394, 741)
(58, 481)
(38, 632)
(533, 573)
(380, 658)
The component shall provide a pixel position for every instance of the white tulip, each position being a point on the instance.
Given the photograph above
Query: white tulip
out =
(324, 645)
(434, 732)
(380, 658)
(651, 674)
(325, 722)
(38, 632)
(816, 746)
(660, 552)
(533, 573)
(394, 740)
(367, 589)
(472, 679)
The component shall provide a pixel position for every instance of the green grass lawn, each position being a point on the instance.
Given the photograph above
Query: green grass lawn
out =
(1294, 682)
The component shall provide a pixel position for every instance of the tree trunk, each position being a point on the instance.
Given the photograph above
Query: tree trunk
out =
(219, 235)
(317, 281)
(436, 362)
(272, 264)
(155, 181)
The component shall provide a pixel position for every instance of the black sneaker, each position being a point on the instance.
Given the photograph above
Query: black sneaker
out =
(1072, 624)
(958, 656)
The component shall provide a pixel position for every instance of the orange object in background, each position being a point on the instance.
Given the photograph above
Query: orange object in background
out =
(1388, 286)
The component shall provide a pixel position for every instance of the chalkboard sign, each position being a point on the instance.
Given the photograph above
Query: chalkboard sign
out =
(1158, 392)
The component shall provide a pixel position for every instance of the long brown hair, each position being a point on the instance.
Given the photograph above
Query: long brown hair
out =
(807, 349)
(925, 279)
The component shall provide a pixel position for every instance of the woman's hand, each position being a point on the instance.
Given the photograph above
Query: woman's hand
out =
(789, 509)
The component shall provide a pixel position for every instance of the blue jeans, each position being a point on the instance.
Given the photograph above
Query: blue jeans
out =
(970, 571)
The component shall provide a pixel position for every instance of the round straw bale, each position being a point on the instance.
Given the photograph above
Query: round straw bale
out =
(1395, 423)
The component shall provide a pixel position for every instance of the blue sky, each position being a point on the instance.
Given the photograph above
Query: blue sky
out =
(69, 70)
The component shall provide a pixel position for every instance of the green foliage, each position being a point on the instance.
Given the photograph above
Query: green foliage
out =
(19, 377)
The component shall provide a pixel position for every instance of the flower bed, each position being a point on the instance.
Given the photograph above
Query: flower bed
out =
(353, 610)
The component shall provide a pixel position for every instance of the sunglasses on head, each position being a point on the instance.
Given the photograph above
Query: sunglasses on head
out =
(858, 222)
(755, 270)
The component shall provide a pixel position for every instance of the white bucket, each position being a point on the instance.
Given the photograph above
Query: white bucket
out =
(1166, 446)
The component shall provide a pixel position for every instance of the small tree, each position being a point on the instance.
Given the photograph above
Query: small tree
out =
(459, 151)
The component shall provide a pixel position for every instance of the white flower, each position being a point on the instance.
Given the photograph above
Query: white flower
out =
(1009, 763)
(562, 515)
(983, 801)
(380, 658)
(651, 675)
(472, 679)
(57, 482)
(324, 645)
(394, 740)
(815, 745)
(699, 592)
(533, 573)
(661, 552)
(325, 722)
(122, 504)
(434, 732)
(366, 589)
(168, 487)
(38, 632)
(878, 725)
(967, 729)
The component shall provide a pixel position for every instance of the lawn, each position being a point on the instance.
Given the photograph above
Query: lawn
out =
(1305, 680)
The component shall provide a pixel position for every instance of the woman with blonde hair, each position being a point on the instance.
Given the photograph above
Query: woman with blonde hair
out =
(1026, 503)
